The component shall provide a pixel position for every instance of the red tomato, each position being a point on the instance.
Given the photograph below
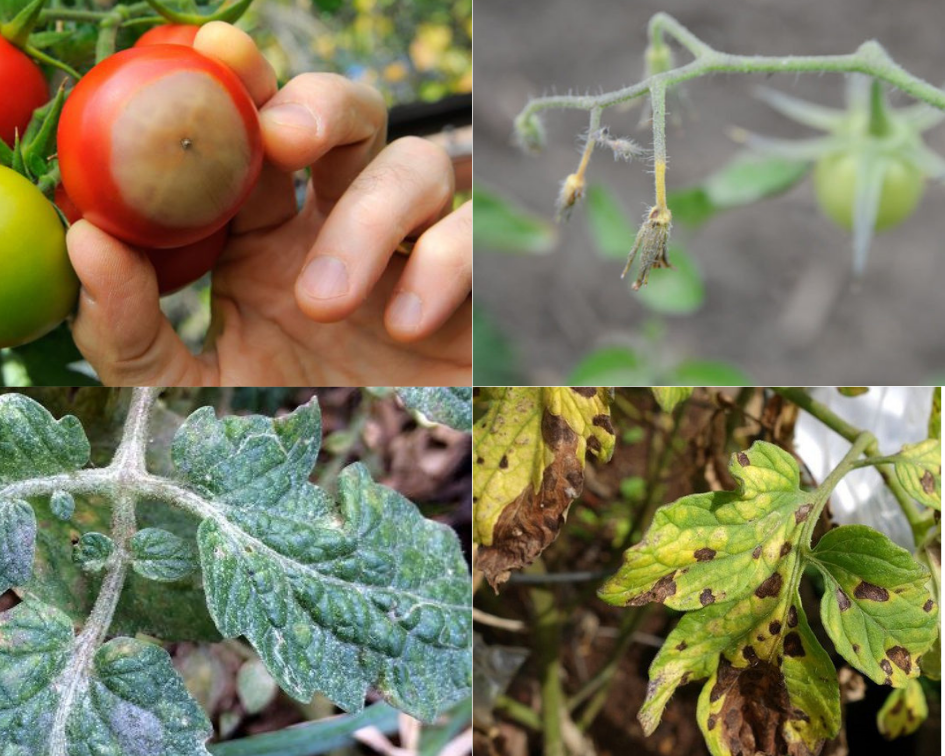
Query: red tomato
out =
(169, 34)
(159, 146)
(175, 268)
(23, 89)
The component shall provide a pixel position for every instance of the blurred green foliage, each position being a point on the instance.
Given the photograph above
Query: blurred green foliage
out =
(409, 49)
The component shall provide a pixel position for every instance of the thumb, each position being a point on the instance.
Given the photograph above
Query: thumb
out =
(120, 328)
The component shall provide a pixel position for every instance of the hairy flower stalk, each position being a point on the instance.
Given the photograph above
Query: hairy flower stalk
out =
(870, 59)
(653, 236)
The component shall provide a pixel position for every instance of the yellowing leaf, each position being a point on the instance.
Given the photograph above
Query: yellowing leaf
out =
(734, 561)
(919, 469)
(904, 711)
(876, 607)
(733, 556)
(529, 450)
(668, 397)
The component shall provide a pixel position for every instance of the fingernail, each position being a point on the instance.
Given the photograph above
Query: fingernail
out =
(293, 115)
(406, 311)
(325, 277)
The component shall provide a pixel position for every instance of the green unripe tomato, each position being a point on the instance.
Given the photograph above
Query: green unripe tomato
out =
(38, 287)
(835, 186)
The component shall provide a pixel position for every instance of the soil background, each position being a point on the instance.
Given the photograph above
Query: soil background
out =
(780, 302)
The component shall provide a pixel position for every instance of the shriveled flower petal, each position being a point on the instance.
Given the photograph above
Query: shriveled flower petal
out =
(651, 242)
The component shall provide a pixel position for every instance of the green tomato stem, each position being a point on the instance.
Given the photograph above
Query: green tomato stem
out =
(41, 56)
(919, 522)
(880, 124)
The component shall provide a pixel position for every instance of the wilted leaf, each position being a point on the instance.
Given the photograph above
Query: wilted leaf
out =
(529, 452)
(447, 405)
(668, 397)
(336, 598)
(734, 560)
(904, 711)
(127, 700)
(919, 469)
(876, 607)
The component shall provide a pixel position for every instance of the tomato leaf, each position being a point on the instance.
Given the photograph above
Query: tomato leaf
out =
(161, 555)
(904, 711)
(876, 607)
(335, 598)
(32, 443)
(612, 232)
(733, 561)
(445, 405)
(530, 447)
(17, 542)
(126, 699)
(919, 469)
(92, 552)
(668, 397)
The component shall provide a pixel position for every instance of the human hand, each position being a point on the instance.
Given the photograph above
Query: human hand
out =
(310, 297)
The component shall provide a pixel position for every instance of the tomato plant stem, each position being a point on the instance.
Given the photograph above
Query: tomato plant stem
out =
(919, 522)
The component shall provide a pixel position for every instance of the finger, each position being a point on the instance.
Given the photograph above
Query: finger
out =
(235, 48)
(436, 281)
(319, 112)
(271, 203)
(406, 188)
(120, 328)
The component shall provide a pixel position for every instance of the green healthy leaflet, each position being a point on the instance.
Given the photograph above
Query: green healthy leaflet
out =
(733, 560)
(127, 699)
(335, 598)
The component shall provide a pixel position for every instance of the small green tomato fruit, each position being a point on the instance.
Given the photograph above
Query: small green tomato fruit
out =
(835, 180)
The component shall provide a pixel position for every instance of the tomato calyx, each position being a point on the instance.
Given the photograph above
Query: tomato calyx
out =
(870, 171)
(223, 12)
